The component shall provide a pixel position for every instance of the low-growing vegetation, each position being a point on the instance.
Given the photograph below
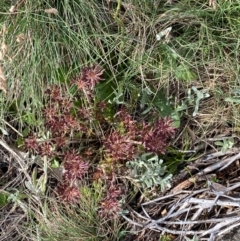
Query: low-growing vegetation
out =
(109, 110)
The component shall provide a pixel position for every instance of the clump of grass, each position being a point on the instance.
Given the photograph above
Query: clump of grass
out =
(43, 46)
(78, 222)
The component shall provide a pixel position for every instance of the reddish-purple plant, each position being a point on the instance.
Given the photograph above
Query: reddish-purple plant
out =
(54, 93)
(42, 148)
(74, 166)
(46, 149)
(129, 124)
(124, 143)
(60, 141)
(68, 193)
(92, 75)
(66, 119)
(109, 206)
(119, 147)
(88, 78)
(155, 138)
(32, 144)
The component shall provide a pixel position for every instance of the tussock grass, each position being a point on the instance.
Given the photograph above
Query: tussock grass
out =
(76, 223)
(43, 45)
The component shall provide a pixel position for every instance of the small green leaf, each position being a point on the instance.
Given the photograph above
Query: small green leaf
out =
(4, 131)
(200, 95)
(20, 141)
(183, 72)
(218, 143)
(29, 186)
(225, 144)
(3, 199)
(26, 132)
(55, 164)
(195, 238)
(42, 183)
(176, 119)
(34, 177)
(232, 100)
(148, 183)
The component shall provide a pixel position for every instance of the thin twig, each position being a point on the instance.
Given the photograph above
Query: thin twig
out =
(18, 157)
(12, 128)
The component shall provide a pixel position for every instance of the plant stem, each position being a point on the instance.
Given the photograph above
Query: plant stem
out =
(119, 21)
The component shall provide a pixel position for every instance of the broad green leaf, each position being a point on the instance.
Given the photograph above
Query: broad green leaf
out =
(161, 103)
(105, 91)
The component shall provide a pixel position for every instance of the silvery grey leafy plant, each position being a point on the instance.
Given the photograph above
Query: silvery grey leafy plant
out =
(195, 238)
(148, 171)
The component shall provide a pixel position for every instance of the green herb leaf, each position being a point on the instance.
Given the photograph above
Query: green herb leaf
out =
(183, 72)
